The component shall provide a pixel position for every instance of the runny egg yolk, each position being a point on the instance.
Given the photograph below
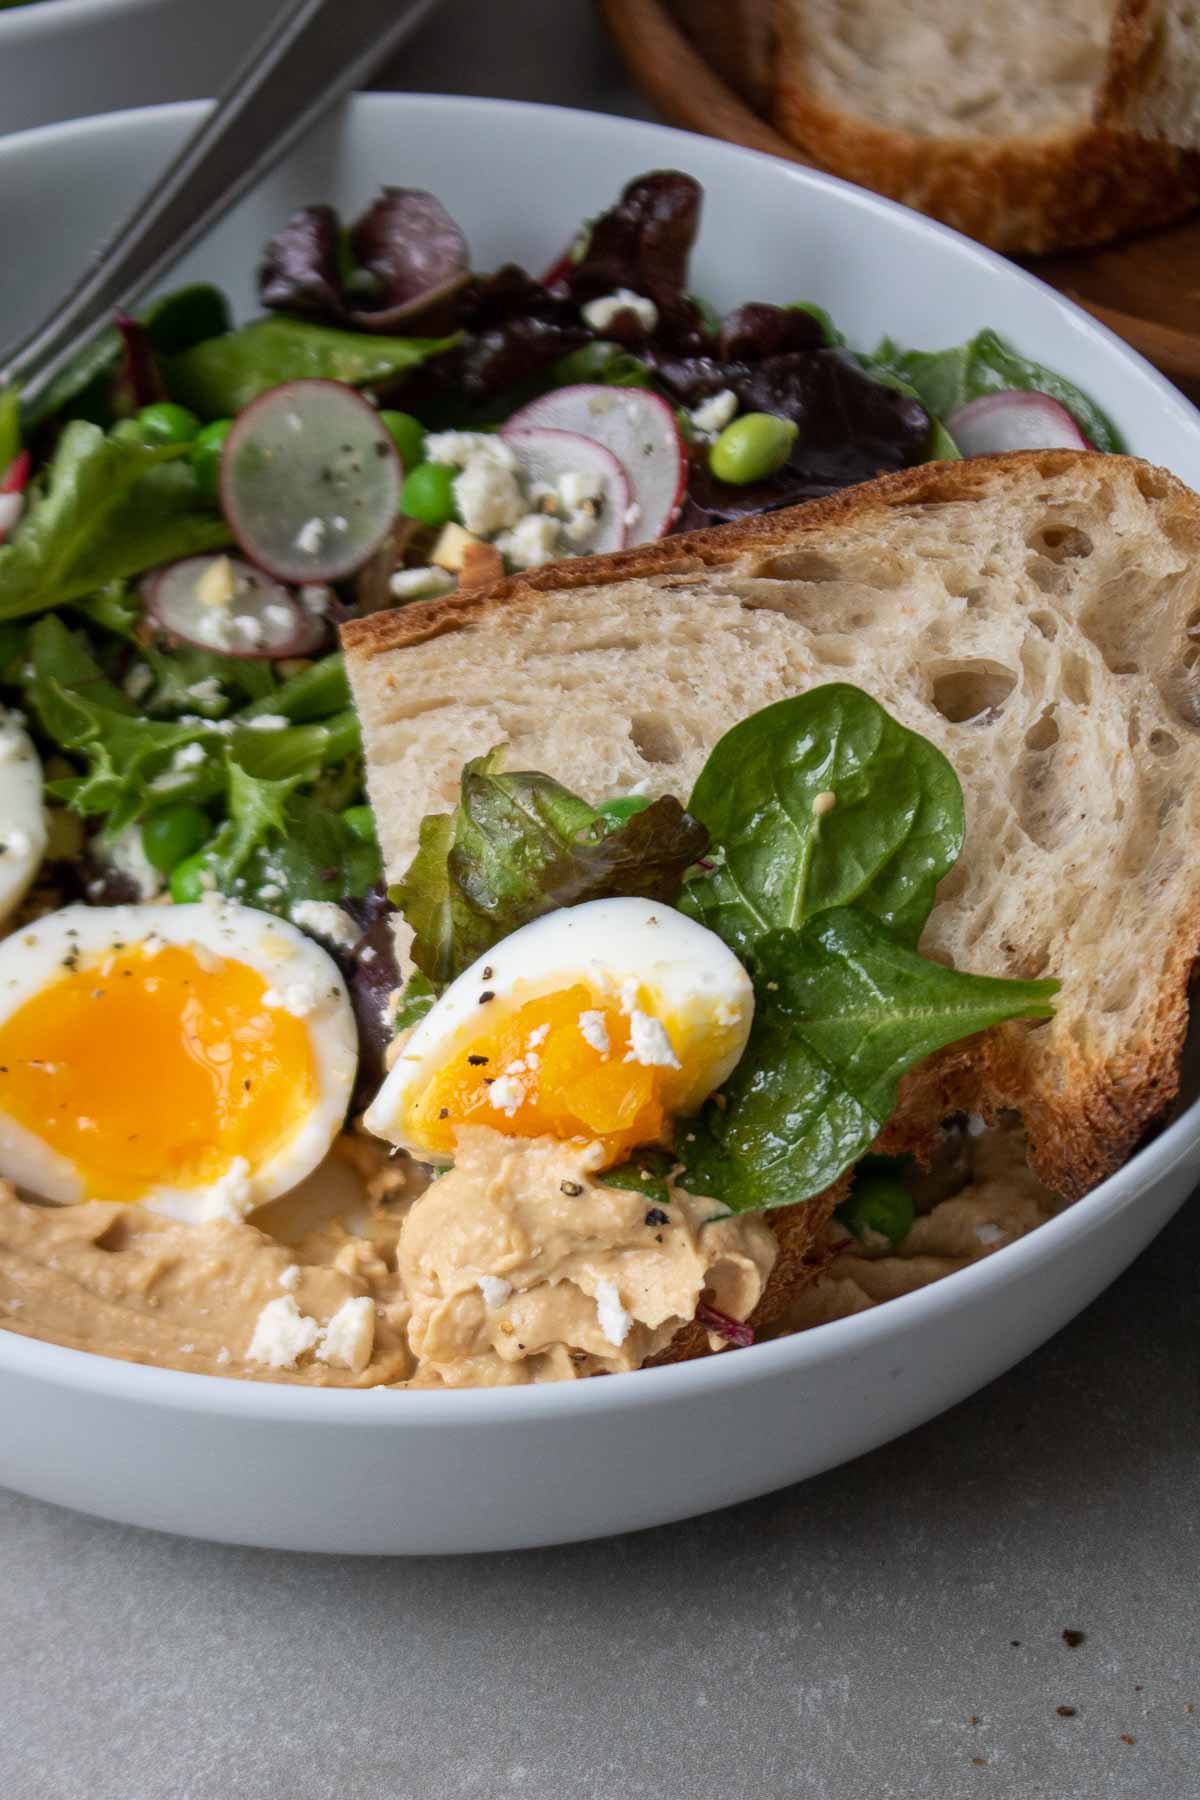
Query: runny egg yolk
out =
(152, 1069)
(561, 1065)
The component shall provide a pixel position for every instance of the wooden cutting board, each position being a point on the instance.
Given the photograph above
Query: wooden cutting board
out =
(1147, 289)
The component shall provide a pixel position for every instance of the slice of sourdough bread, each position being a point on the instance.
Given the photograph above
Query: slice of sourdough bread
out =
(1036, 615)
(1036, 125)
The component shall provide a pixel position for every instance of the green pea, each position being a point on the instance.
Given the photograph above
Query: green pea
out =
(190, 879)
(751, 448)
(166, 423)
(879, 1205)
(428, 493)
(207, 446)
(617, 811)
(408, 435)
(360, 822)
(171, 835)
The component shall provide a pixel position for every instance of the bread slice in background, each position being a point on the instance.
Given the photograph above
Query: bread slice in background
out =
(1034, 125)
(1036, 615)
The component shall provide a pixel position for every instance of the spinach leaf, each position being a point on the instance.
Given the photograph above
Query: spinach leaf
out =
(222, 375)
(645, 1173)
(105, 510)
(86, 388)
(893, 831)
(843, 1009)
(945, 379)
(519, 845)
(311, 855)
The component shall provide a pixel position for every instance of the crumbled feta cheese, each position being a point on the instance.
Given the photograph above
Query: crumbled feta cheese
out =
(325, 919)
(601, 313)
(278, 617)
(649, 1043)
(218, 584)
(270, 890)
(578, 485)
(300, 996)
(282, 1334)
(267, 722)
(715, 413)
(488, 497)
(495, 1289)
(311, 536)
(290, 1277)
(458, 448)
(614, 1321)
(139, 681)
(188, 756)
(532, 542)
(419, 584)
(248, 629)
(594, 1030)
(506, 1094)
(349, 1338)
(990, 1235)
(126, 855)
(208, 692)
(537, 1037)
(232, 1192)
(315, 596)
(581, 524)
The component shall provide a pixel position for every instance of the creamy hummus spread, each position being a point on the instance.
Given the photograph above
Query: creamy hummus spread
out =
(518, 1265)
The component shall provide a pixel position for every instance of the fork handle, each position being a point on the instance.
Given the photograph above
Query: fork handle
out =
(313, 54)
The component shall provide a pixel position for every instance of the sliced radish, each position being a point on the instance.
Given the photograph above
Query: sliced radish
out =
(1014, 420)
(565, 461)
(310, 481)
(224, 604)
(639, 429)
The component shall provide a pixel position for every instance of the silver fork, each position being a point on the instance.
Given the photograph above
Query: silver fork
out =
(314, 53)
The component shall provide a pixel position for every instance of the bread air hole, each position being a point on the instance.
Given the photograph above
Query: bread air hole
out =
(1059, 541)
(798, 565)
(1162, 743)
(653, 739)
(1043, 733)
(1046, 623)
(972, 692)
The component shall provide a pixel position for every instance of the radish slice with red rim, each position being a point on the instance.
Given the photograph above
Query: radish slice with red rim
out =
(1013, 420)
(588, 483)
(224, 604)
(310, 481)
(638, 428)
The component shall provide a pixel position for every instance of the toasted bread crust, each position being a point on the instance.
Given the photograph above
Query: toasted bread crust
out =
(1084, 1121)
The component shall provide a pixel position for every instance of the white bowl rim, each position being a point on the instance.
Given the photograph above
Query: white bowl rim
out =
(62, 14)
(283, 1403)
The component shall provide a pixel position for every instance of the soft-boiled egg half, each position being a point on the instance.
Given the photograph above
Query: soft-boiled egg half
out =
(600, 1021)
(22, 815)
(196, 1059)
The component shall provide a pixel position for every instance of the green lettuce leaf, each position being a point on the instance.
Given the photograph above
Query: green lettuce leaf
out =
(220, 376)
(843, 1008)
(415, 1001)
(104, 510)
(311, 855)
(894, 830)
(519, 845)
(945, 379)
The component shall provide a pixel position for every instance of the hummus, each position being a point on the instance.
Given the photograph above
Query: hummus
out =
(520, 1265)
(1000, 1200)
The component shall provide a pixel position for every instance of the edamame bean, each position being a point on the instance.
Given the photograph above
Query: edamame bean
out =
(428, 493)
(166, 423)
(190, 879)
(174, 833)
(207, 446)
(408, 435)
(752, 447)
(879, 1205)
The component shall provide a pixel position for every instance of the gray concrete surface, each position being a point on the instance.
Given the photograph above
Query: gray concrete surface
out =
(892, 1629)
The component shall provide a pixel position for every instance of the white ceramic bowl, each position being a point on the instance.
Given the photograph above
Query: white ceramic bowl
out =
(397, 1472)
(60, 59)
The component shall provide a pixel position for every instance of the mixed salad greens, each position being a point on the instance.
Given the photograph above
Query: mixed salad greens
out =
(812, 843)
(194, 506)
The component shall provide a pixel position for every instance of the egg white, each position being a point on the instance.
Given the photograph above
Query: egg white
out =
(22, 814)
(304, 979)
(688, 970)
